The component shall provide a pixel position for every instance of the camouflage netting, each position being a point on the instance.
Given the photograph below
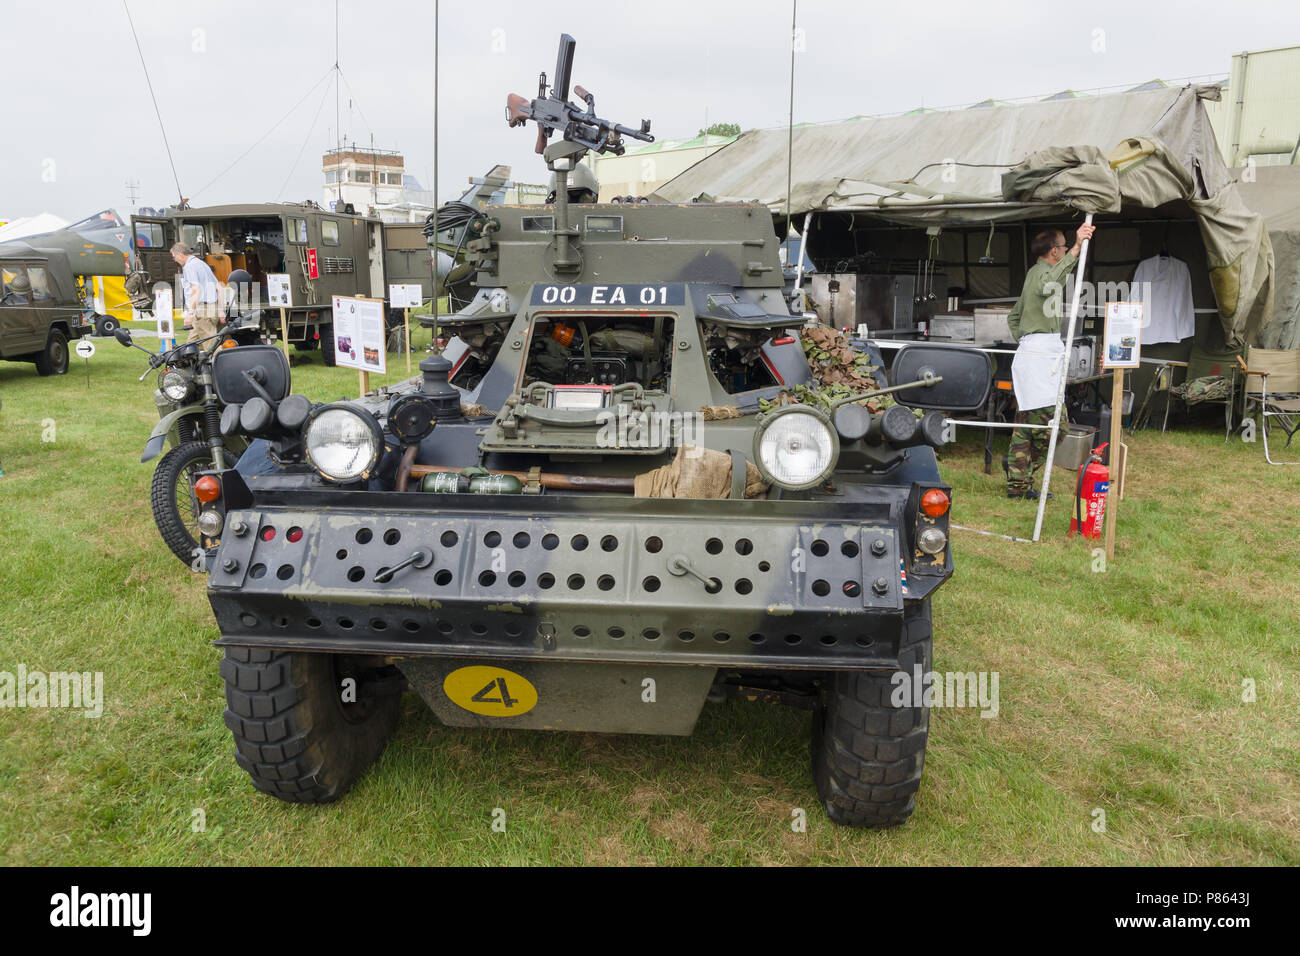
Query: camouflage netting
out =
(839, 371)
(698, 473)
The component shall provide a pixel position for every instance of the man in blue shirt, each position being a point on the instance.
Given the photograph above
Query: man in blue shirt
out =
(199, 293)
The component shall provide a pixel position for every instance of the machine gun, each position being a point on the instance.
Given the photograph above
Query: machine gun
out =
(554, 112)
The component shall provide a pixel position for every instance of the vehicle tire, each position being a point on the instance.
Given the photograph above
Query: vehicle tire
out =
(327, 344)
(294, 735)
(106, 326)
(53, 359)
(868, 754)
(171, 495)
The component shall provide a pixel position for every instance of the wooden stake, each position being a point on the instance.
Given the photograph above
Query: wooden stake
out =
(364, 378)
(406, 321)
(284, 334)
(1116, 433)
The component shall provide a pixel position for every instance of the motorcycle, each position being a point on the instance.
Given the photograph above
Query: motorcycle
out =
(189, 404)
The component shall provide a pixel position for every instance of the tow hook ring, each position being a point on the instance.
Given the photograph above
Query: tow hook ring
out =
(421, 558)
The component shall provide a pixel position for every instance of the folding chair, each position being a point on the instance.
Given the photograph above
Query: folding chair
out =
(1160, 382)
(1272, 391)
(1211, 380)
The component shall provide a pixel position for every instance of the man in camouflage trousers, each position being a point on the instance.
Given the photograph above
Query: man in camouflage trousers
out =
(1035, 323)
(1028, 450)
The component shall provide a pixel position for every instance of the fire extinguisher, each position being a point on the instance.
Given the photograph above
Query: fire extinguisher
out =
(1090, 496)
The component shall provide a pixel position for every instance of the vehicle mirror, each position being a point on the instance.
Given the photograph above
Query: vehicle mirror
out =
(967, 376)
(123, 336)
(266, 361)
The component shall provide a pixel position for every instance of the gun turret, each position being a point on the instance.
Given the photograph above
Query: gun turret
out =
(552, 112)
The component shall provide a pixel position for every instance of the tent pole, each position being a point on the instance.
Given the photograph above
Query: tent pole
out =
(1060, 386)
(803, 250)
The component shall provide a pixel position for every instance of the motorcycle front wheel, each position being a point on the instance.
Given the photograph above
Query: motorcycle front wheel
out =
(175, 506)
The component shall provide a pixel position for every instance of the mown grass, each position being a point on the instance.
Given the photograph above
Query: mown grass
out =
(1120, 691)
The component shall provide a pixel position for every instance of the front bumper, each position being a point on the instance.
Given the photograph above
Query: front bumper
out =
(803, 585)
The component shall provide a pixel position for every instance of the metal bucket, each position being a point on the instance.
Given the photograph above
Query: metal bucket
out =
(1075, 447)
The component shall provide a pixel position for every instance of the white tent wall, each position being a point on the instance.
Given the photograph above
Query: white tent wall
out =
(1274, 193)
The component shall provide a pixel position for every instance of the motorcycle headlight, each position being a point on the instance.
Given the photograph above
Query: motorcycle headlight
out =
(795, 447)
(343, 442)
(175, 385)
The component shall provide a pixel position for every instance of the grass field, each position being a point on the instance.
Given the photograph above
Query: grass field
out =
(1120, 691)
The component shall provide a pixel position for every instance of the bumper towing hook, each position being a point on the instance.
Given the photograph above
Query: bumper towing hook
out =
(679, 564)
(421, 558)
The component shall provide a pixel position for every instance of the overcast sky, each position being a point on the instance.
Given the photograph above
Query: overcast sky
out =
(78, 120)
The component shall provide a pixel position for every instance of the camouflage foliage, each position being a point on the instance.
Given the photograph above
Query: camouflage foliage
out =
(839, 370)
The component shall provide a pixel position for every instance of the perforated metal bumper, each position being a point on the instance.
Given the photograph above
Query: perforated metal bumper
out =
(740, 586)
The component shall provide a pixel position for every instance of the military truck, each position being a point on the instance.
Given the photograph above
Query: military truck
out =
(594, 513)
(43, 305)
(324, 253)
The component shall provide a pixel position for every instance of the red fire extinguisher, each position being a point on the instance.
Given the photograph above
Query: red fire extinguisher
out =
(1090, 496)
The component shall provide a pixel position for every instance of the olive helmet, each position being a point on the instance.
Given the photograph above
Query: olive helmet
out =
(583, 186)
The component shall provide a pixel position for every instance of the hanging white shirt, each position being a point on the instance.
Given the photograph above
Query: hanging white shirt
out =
(1168, 315)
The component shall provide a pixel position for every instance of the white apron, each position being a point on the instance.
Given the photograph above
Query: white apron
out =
(1036, 370)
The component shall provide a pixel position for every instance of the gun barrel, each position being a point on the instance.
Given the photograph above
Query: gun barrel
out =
(634, 133)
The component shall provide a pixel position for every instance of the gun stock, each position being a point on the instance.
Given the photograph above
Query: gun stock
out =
(516, 110)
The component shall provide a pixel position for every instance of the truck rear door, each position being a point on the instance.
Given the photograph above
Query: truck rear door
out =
(152, 240)
(20, 320)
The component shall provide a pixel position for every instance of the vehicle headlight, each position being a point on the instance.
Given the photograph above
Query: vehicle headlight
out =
(343, 442)
(795, 447)
(175, 385)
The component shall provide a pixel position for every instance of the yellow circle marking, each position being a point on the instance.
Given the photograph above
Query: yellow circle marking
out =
(490, 691)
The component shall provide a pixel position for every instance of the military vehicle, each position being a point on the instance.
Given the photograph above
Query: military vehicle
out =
(581, 517)
(43, 305)
(324, 253)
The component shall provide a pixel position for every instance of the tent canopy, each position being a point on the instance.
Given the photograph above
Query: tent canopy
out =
(1107, 154)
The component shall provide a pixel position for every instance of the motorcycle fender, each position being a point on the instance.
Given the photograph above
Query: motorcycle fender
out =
(152, 448)
(164, 426)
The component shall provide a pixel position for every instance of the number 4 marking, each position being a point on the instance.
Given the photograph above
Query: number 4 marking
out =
(505, 698)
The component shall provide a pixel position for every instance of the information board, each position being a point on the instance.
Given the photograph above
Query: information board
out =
(359, 334)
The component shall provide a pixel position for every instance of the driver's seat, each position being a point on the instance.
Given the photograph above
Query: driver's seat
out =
(230, 292)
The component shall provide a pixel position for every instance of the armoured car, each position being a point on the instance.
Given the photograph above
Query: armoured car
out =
(602, 507)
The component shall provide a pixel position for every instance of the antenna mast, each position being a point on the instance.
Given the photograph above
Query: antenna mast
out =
(789, 147)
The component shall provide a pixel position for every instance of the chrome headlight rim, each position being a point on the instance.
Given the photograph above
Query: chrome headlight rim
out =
(374, 433)
(765, 423)
(176, 385)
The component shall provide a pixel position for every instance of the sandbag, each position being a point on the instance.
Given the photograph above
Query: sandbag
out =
(697, 473)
